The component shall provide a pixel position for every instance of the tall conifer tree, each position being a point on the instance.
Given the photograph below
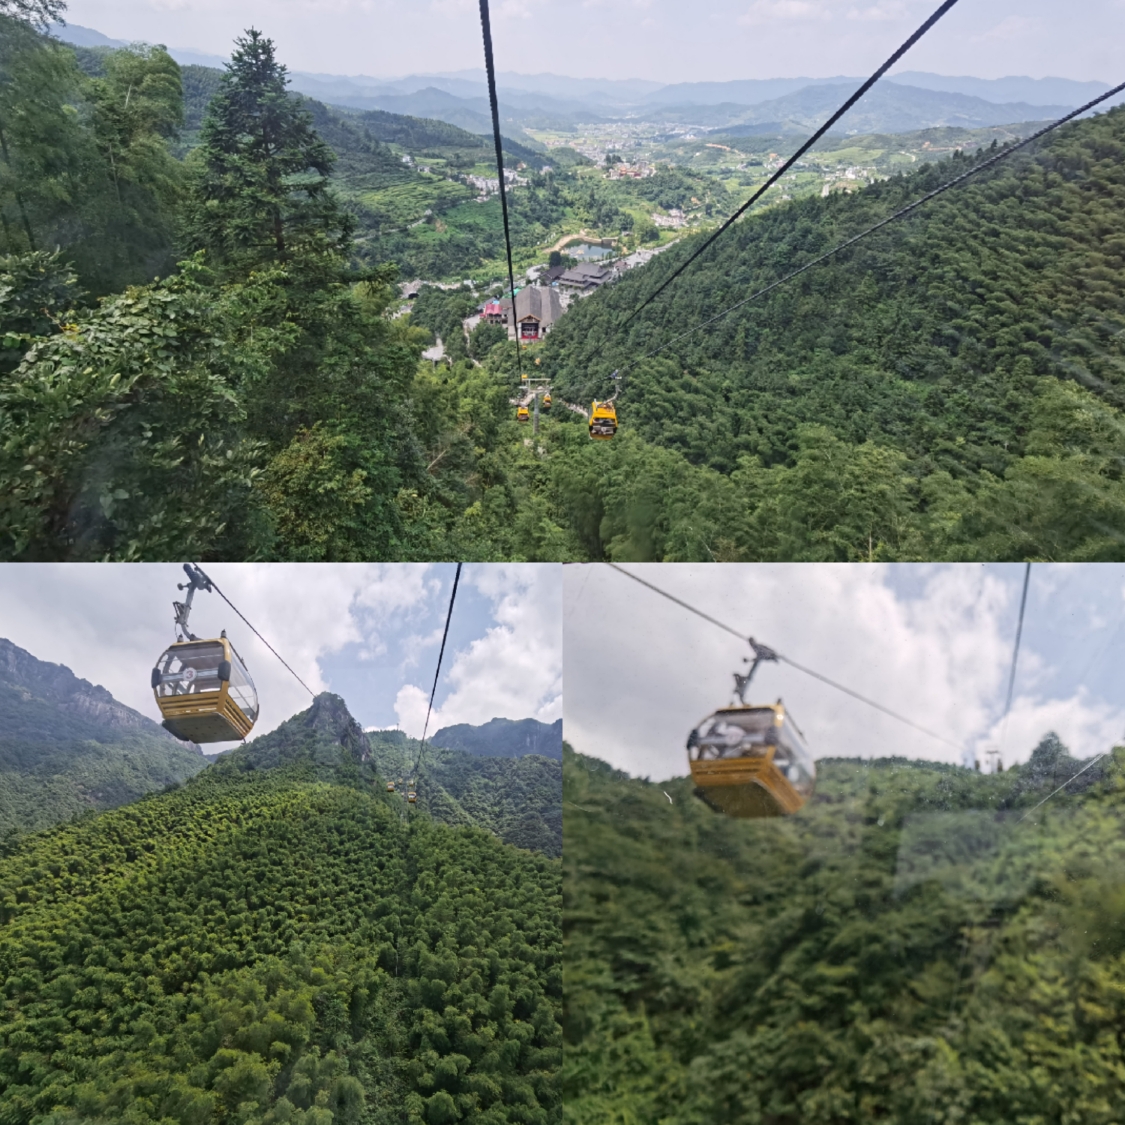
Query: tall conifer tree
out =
(262, 192)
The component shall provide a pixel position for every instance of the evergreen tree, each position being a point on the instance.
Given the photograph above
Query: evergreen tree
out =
(261, 193)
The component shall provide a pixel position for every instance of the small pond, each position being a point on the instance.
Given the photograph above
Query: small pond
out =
(585, 252)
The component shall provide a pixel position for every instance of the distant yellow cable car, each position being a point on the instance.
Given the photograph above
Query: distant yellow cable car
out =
(751, 760)
(546, 402)
(523, 414)
(202, 687)
(412, 797)
(390, 786)
(603, 420)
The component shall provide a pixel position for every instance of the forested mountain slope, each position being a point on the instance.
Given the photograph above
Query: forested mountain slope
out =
(517, 799)
(67, 746)
(951, 386)
(504, 738)
(264, 946)
(921, 943)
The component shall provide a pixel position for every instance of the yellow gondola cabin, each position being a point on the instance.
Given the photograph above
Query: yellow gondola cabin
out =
(751, 761)
(523, 414)
(603, 420)
(204, 691)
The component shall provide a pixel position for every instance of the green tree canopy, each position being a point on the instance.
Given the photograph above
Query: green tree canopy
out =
(261, 193)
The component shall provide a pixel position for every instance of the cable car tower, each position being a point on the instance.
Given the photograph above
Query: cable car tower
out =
(750, 761)
(202, 686)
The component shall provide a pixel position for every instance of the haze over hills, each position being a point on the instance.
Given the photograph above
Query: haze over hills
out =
(910, 100)
(67, 746)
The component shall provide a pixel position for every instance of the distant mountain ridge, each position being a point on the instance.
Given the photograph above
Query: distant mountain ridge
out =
(67, 746)
(504, 738)
(908, 100)
(517, 798)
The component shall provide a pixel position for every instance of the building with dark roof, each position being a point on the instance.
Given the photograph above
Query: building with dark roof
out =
(585, 278)
(537, 309)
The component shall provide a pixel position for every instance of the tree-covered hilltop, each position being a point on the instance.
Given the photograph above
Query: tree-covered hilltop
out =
(950, 387)
(504, 738)
(68, 747)
(517, 799)
(921, 943)
(278, 944)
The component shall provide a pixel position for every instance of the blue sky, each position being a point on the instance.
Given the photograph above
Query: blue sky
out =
(665, 40)
(370, 633)
(933, 642)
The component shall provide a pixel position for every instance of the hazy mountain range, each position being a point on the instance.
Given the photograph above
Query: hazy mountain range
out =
(912, 100)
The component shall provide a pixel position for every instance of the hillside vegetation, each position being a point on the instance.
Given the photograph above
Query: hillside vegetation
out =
(68, 747)
(950, 387)
(214, 364)
(278, 943)
(517, 799)
(920, 943)
(505, 738)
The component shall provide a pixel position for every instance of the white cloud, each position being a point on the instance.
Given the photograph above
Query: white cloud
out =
(1013, 27)
(763, 12)
(515, 669)
(109, 622)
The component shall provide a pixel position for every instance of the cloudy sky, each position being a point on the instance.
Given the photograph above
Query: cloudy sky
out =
(932, 642)
(370, 633)
(665, 40)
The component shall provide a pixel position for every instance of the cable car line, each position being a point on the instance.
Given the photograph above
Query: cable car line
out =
(211, 583)
(990, 162)
(941, 11)
(1091, 762)
(489, 66)
(437, 671)
(786, 660)
(1015, 660)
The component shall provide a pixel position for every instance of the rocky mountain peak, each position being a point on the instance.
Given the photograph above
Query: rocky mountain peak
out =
(57, 685)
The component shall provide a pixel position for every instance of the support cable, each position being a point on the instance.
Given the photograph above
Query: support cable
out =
(255, 631)
(437, 671)
(1015, 660)
(791, 663)
(486, 29)
(902, 213)
(941, 11)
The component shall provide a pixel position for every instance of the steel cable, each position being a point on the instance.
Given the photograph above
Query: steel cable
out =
(992, 161)
(941, 11)
(253, 630)
(486, 29)
(437, 671)
(791, 663)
